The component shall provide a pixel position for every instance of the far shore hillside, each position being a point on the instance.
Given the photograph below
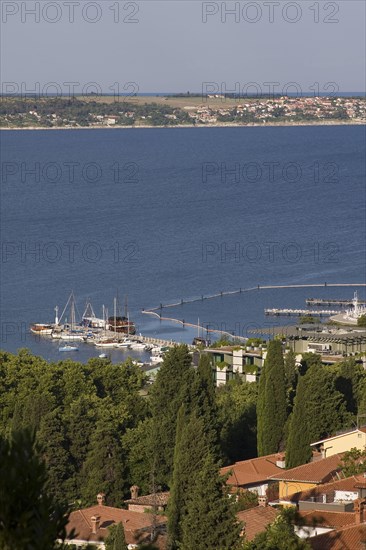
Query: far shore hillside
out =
(181, 111)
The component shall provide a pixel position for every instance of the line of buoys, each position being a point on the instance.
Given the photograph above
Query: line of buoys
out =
(258, 287)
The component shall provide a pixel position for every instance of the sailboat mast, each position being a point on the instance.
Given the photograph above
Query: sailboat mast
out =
(72, 311)
(115, 314)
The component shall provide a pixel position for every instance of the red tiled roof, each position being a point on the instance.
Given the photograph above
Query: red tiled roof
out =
(345, 484)
(253, 471)
(323, 518)
(134, 523)
(352, 537)
(319, 471)
(256, 519)
(159, 499)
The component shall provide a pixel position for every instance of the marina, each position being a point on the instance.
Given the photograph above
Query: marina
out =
(109, 335)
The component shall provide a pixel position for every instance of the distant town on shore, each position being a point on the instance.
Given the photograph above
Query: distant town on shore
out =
(182, 110)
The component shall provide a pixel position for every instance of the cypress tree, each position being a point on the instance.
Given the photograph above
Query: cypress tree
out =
(272, 401)
(290, 378)
(199, 396)
(348, 381)
(166, 399)
(104, 468)
(210, 521)
(319, 410)
(119, 538)
(190, 450)
(52, 441)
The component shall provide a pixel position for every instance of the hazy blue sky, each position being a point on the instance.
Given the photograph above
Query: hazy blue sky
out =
(170, 48)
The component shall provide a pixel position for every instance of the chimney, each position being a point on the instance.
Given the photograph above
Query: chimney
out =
(359, 508)
(95, 521)
(281, 462)
(262, 501)
(134, 491)
(100, 498)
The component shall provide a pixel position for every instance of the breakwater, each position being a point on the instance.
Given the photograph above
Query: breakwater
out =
(157, 310)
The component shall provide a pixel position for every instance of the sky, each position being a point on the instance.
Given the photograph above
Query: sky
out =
(179, 46)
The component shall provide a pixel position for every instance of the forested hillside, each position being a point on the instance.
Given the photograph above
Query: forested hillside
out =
(103, 427)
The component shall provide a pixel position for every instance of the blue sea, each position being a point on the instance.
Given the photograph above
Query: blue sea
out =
(162, 215)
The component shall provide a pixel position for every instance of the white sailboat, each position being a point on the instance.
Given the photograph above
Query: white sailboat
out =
(68, 332)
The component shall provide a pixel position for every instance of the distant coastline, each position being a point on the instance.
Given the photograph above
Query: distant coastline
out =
(213, 125)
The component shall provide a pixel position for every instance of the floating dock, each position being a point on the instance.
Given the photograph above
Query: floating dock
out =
(297, 312)
(324, 302)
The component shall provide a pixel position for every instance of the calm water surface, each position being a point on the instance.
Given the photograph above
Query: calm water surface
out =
(165, 214)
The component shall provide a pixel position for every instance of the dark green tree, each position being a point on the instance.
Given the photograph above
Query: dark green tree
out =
(271, 405)
(237, 418)
(105, 469)
(198, 395)
(349, 377)
(210, 520)
(137, 445)
(291, 375)
(119, 538)
(80, 421)
(319, 410)
(166, 399)
(190, 450)
(116, 539)
(53, 444)
(30, 519)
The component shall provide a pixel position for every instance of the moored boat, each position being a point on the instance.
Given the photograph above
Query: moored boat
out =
(137, 346)
(41, 329)
(68, 348)
(121, 324)
(105, 343)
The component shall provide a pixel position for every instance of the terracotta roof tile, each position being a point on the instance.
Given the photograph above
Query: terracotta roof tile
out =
(319, 471)
(134, 523)
(160, 499)
(349, 538)
(256, 519)
(253, 471)
(324, 518)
